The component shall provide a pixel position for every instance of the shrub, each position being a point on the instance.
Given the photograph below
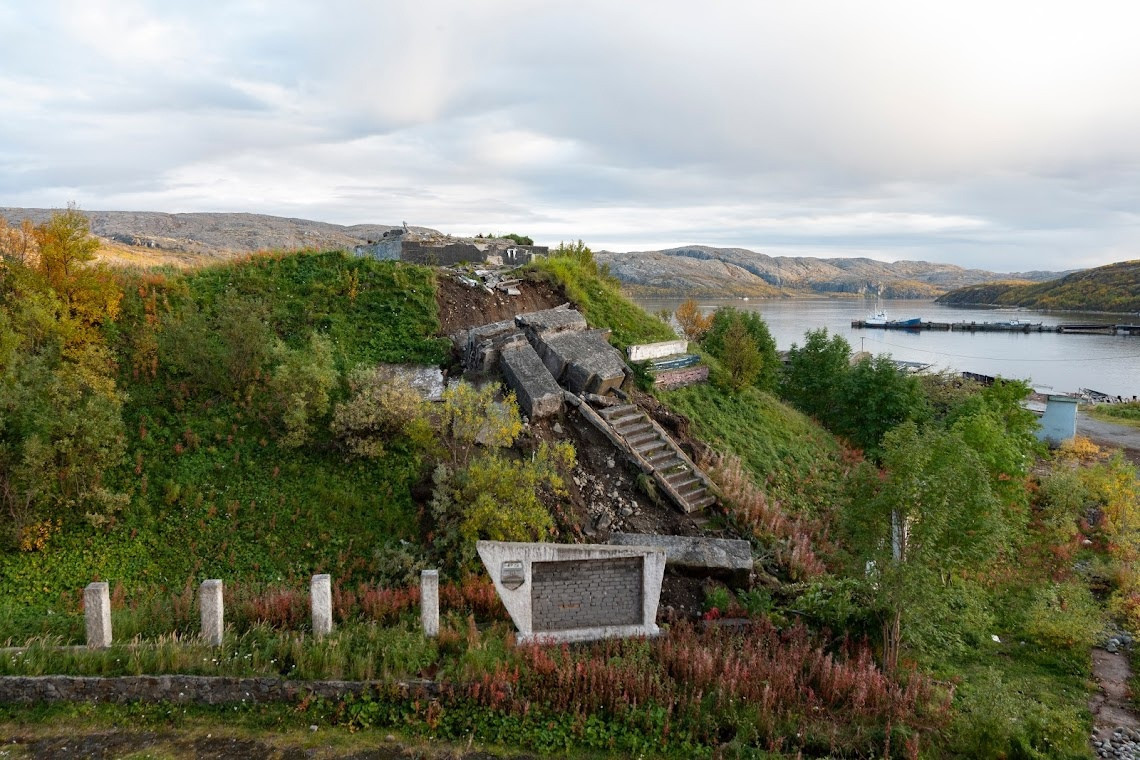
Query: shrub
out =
(301, 384)
(382, 405)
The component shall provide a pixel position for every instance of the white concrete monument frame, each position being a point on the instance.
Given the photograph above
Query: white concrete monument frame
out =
(514, 561)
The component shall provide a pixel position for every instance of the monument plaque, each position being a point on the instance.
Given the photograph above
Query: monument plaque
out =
(512, 575)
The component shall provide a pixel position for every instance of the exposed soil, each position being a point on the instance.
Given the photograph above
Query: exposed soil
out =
(1111, 708)
(462, 307)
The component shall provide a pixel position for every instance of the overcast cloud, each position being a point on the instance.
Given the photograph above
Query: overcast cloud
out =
(999, 135)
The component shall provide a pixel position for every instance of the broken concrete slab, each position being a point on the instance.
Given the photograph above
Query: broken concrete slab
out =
(537, 392)
(426, 380)
(723, 557)
(484, 345)
(562, 319)
(584, 362)
(647, 351)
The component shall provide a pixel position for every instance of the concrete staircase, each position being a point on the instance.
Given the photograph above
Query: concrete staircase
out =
(659, 455)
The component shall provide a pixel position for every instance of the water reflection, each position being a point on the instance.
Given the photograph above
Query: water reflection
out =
(1050, 361)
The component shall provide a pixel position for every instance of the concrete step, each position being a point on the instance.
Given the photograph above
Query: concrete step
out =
(688, 485)
(640, 439)
(665, 459)
(619, 412)
(635, 425)
(694, 505)
(654, 449)
(672, 467)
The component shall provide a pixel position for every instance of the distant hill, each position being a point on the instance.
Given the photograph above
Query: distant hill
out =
(1113, 288)
(703, 270)
(147, 237)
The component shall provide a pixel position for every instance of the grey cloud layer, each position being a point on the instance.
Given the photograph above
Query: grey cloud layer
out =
(981, 134)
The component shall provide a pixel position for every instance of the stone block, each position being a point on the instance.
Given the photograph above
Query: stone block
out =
(535, 388)
(485, 343)
(647, 351)
(589, 364)
(537, 324)
(97, 614)
(722, 557)
(213, 612)
(429, 602)
(320, 594)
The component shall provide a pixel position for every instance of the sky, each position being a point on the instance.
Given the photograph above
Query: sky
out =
(1001, 135)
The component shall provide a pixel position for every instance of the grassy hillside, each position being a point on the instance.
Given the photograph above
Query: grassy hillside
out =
(211, 491)
(1111, 288)
(790, 455)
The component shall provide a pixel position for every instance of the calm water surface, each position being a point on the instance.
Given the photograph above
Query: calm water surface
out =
(1050, 362)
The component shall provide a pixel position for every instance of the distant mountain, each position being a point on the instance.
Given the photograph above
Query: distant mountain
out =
(207, 235)
(703, 270)
(1113, 288)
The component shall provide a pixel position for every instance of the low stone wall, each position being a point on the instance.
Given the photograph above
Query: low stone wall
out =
(200, 690)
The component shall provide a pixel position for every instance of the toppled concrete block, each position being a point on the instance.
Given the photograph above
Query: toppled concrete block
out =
(584, 362)
(484, 344)
(723, 557)
(538, 324)
(537, 392)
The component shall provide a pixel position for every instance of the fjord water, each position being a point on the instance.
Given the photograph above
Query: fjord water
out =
(1049, 361)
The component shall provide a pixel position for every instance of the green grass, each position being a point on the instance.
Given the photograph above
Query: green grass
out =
(1127, 413)
(211, 492)
(796, 460)
(601, 301)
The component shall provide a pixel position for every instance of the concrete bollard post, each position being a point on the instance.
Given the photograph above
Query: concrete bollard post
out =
(213, 613)
(429, 602)
(97, 614)
(320, 592)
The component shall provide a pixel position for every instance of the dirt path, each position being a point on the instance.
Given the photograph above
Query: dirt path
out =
(1116, 727)
(1109, 434)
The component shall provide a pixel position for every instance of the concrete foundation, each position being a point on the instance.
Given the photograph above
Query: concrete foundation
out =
(320, 593)
(576, 592)
(723, 557)
(97, 615)
(213, 612)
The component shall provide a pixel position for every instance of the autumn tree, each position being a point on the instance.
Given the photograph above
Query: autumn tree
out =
(481, 490)
(693, 323)
(19, 244)
(728, 318)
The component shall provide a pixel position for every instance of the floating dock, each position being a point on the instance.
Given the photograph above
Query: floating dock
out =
(1026, 327)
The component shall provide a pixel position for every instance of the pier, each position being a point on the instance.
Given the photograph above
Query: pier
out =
(1018, 327)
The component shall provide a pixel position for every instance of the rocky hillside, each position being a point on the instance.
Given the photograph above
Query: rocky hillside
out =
(192, 237)
(703, 270)
(1111, 288)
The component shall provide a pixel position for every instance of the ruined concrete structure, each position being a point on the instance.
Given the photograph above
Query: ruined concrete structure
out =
(542, 352)
(440, 250)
